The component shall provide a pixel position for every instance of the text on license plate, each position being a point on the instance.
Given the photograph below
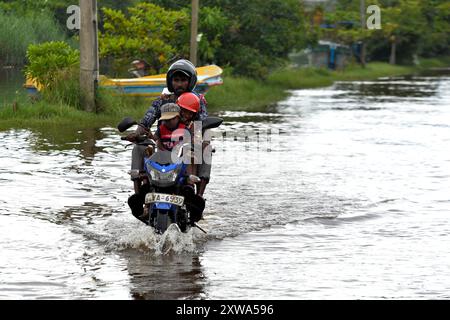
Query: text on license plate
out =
(162, 197)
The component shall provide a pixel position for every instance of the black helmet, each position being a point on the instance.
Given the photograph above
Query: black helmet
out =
(186, 67)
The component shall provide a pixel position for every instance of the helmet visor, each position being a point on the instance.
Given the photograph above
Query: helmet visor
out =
(181, 73)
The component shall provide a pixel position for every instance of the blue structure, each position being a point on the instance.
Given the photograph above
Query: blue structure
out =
(330, 55)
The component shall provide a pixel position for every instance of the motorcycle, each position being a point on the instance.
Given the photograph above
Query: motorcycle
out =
(166, 193)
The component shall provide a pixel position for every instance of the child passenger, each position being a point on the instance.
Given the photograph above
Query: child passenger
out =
(170, 129)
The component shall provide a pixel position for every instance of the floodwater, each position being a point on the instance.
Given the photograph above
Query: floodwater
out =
(336, 193)
(11, 85)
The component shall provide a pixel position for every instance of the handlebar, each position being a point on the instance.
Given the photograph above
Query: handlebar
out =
(140, 140)
(147, 142)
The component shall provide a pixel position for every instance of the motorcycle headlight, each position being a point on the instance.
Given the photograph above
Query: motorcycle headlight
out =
(154, 174)
(172, 175)
(157, 175)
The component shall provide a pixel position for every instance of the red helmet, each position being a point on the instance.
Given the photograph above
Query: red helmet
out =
(189, 101)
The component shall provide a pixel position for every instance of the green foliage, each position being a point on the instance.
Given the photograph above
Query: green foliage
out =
(260, 34)
(437, 39)
(249, 61)
(148, 32)
(440, 62)
(54, 9)
(55, 65)
(40, 110)
(404, 24)
(418, 27)
(346, 12)
(248, 95)
(112, 104)
(301, 78)
(20, 30)
(252, 36)
(18, 6)
(66, 88)
(372, 71)
(213, 25)
(57, 113)
(174, 4)
(48, 59)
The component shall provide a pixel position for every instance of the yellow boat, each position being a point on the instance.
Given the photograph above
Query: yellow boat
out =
(148, 86)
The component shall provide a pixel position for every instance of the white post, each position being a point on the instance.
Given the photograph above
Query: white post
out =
(194, 29)
(363, 24)
(88, 53)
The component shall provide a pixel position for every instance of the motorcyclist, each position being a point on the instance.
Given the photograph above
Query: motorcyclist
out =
(181, 77)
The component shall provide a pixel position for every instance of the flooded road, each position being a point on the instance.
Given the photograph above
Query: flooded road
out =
(339, 192)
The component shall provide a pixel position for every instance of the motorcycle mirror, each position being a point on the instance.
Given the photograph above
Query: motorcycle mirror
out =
(126, 124)
(211, 122)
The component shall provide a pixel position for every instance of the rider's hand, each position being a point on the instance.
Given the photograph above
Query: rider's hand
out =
(132, 137)
(165, 96)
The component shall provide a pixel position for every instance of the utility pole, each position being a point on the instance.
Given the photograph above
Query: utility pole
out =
(88, 53)
(393, 49)
(194, 28)
(362, 9)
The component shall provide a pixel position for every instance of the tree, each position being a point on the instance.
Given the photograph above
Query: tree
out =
(436, 40)
(251, 36)
(408, 28)
(346, 26)
(148, 32)
(213, 25)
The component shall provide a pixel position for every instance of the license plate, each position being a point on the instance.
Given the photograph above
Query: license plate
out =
(162, 197)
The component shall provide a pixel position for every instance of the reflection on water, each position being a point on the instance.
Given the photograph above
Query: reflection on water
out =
(67, 138)
(336, 193)
(386, 89)
(164, 276)
(11, 85)
(249, 117)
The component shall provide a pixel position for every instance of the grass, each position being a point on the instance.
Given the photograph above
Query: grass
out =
(20, 31)
(27, 114)
(243, 94)
(434, 62)
(313, 77)
(372, 71)
(301, 78)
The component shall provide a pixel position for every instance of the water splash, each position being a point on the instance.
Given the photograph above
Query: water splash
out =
(173, 240)
(120, 235)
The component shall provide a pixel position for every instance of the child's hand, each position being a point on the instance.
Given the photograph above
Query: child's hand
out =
(190, 127)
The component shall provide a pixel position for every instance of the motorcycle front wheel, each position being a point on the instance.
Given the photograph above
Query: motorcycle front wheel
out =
(182, 220)
(162, 221)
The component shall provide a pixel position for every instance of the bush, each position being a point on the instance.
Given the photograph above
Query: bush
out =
(55, 65)
(66, 89)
